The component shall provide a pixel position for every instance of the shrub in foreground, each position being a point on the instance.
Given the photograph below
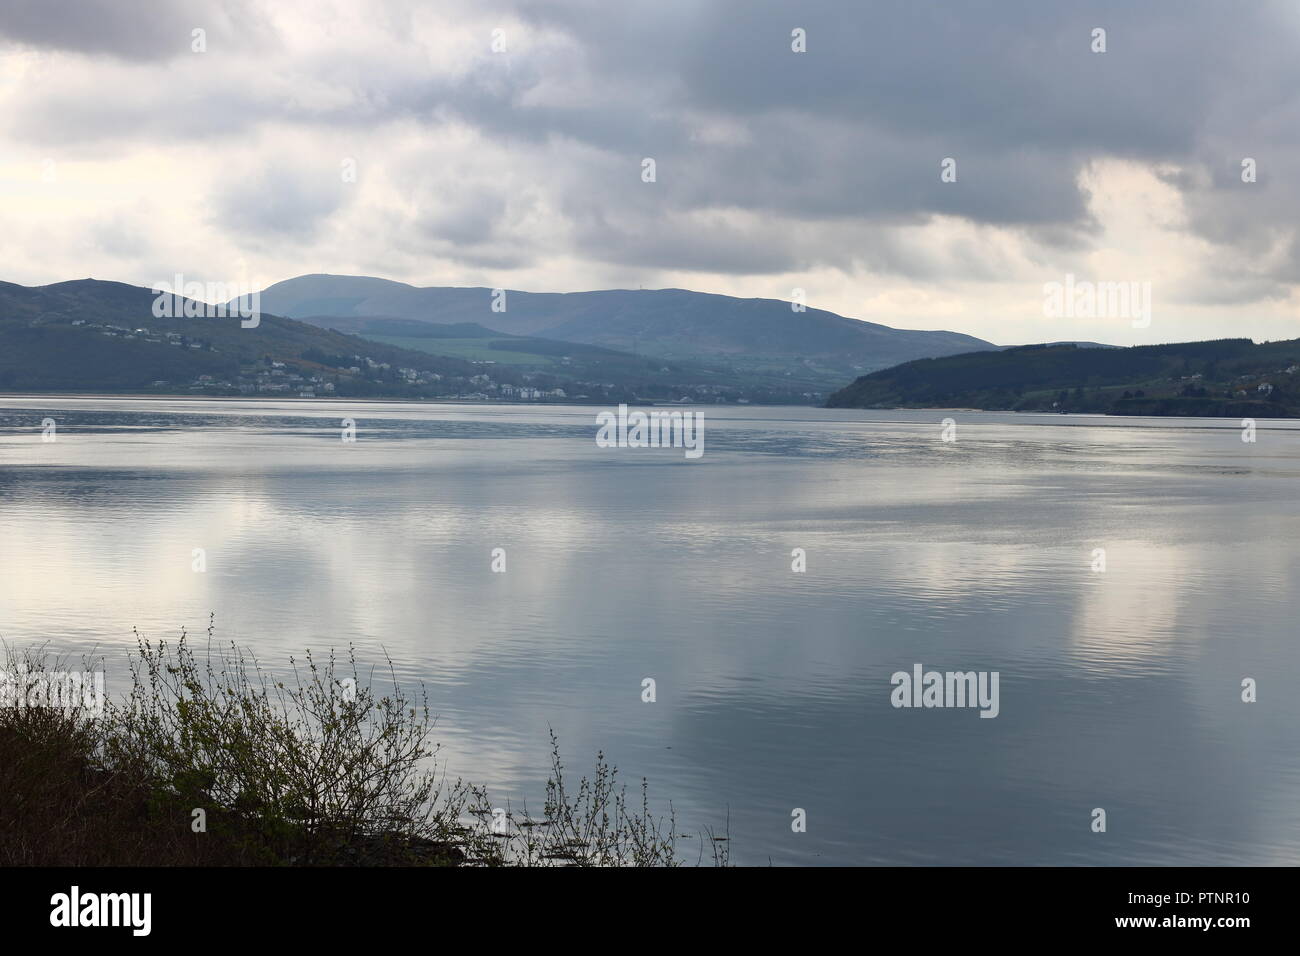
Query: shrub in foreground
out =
(213, 761)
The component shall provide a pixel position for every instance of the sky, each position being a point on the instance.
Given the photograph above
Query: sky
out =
(502, 143)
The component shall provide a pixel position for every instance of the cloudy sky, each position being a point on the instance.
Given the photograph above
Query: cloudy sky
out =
(128, 154)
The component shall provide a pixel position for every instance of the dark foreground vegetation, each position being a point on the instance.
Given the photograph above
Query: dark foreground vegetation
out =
(1227, 377)
(212, 762)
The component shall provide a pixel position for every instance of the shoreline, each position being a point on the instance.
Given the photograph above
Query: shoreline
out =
(142, 397)
(145, 396)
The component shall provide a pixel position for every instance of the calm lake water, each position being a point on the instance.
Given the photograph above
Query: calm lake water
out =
(1119, 689)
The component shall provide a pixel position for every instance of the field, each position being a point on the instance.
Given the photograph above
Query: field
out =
(474, 350)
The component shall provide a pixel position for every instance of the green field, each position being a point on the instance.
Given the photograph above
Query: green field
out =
(474, 350)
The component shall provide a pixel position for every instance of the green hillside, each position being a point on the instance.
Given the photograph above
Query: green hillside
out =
(476, 349)
(1225, 377)
(93, 336)
(104, 336)
(762, 337)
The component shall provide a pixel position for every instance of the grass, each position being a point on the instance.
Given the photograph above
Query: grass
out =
(210, 761)
(474, 350)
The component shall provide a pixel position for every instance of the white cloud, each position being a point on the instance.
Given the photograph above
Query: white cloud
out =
(127, 158)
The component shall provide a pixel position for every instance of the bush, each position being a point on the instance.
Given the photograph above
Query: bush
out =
(211, 761)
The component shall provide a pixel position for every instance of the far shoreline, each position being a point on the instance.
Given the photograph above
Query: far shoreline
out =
(286, 399)
(339, 400)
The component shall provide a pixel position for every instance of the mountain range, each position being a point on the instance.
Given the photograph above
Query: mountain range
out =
(324, 336)
(358, 336)
(764, 336)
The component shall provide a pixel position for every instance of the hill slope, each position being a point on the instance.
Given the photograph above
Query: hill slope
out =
(1224, 377)
(98, 336)
(89, 335)
(762, 335)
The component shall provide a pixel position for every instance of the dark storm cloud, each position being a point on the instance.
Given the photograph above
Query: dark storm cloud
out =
(906, 83)
(767, 160)
(856, 126)
(129, 29)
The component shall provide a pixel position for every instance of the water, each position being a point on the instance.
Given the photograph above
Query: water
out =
(1118, 689)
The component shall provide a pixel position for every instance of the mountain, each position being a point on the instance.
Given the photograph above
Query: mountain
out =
(748, 335)
(95, 336)
(89, 335)
(1225, 377)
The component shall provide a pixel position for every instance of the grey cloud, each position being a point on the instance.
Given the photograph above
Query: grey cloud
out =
(832, 149)
(120, 237)
(856, 126)
(130, 29)
(280, 201)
